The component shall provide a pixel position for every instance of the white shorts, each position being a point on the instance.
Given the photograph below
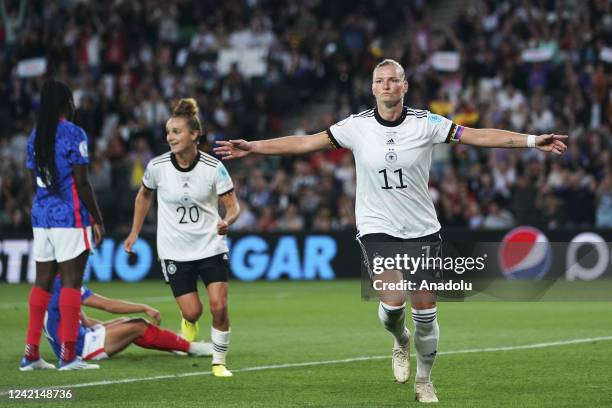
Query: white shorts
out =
(61, 244)
(93, 345)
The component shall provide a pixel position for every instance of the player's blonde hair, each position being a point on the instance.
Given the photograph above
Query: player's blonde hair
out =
(188, 108)
(389, 61)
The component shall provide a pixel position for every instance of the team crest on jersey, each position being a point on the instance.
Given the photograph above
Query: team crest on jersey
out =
(171, 268)
(391, 156)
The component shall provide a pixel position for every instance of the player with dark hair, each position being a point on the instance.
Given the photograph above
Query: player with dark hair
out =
(191, 234)
(99, 340)
(63, 213)
(392, 145)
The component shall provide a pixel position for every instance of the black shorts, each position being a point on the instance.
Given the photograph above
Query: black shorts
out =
(183, 276)
(386, 246)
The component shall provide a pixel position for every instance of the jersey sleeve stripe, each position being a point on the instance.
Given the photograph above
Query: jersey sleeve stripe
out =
(418, 115)
(417, 111)
(161, 161)
(366, 113)
(332, 139)
(76, 204)
(208, 156)
(208, 163)
(215, 162)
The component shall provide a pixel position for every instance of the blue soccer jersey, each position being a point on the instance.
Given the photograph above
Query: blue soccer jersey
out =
(62, 208)
(52, 319)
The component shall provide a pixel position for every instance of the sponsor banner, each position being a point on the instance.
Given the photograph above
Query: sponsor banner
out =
(252, 257)
(516, 255)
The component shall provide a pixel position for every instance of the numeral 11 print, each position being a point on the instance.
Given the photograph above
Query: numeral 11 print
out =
(400, 176)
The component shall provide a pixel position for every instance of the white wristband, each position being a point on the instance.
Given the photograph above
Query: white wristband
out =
(531, 141)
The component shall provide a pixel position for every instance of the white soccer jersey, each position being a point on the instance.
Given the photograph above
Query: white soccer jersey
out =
(187, 206)
(393, 160)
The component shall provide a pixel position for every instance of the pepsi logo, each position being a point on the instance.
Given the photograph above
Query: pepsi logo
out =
(524, 253)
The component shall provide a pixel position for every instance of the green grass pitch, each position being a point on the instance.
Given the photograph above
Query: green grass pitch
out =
(276, 323)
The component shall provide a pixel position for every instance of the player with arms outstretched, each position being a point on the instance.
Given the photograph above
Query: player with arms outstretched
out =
(392, 145)
(191, 234)
(64, 211)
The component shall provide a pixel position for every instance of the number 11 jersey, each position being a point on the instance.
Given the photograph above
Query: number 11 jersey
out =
(187, 206)
(392, 160)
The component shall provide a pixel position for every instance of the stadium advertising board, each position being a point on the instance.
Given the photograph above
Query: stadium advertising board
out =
(572, 255)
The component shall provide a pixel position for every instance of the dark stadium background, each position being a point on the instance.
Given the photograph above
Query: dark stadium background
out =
(263, 69)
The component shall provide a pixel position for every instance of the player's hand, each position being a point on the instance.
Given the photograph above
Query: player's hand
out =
(551, 143)
(233, 149)
(129, 242)
(153, 314)
(222, 227)
(98, 230)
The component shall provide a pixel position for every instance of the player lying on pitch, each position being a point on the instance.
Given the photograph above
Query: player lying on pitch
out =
(99, 340)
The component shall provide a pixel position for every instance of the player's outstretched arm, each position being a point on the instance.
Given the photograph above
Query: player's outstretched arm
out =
(144, 198)
(118, 306)
(550, 143)
(234, 149)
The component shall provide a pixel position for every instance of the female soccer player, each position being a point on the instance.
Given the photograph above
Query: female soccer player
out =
(190, 232)
(63, 212)
(99, 340)
(392, 145)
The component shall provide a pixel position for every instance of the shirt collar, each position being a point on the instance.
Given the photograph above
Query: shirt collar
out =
(390, 123)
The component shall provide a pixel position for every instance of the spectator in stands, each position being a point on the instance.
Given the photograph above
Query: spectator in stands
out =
(128, 66)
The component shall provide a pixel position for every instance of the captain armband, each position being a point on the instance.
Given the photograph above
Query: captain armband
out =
(454, 134)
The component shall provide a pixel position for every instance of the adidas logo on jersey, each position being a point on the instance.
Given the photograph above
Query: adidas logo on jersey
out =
(391, 142)
(185, 185)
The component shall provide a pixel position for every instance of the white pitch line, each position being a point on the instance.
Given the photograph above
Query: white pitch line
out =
(327, 362)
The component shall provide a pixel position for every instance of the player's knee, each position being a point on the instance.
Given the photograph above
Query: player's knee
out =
(44, 281)
(72, 279)
(218, 309)
(422, 305)
(137, 320)
(193, 314)
(140, 324)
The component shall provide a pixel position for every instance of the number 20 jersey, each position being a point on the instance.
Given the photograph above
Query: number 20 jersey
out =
(187, 206)
(392, 160)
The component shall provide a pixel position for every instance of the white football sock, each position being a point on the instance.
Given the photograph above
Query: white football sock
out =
(393, 318)
(426, 337)
(220, 340)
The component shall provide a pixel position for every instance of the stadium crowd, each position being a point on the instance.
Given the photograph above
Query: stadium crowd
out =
(528, 66)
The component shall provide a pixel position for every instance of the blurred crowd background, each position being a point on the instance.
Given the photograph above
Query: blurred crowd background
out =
(263, 69)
